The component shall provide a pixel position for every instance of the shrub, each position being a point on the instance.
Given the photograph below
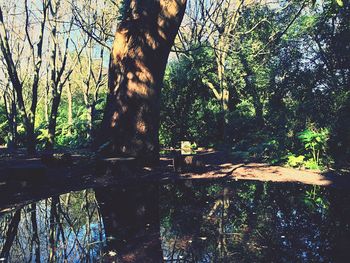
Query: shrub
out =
(315, 141)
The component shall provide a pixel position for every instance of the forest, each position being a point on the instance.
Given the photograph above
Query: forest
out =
(263, 80)
(174, 130)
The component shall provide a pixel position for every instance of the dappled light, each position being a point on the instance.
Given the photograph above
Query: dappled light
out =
(137, 65)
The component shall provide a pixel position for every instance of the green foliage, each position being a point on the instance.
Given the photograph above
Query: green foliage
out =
(3, 126)
(278, 85)
(188, 110)
(295, 161)
(43, 136)
(311, 164)
(315, 142)
(314, 198)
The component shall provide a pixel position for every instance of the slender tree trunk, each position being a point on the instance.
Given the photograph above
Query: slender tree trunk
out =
(259, 117)
(35, 237)
(28, 115)
(11, 112)
(137, 64)
(70, 108)
(13, 126)
(224, 96)
(53, 122)
(53, 230)
(47, 90)
(31, 138)
(89, 121)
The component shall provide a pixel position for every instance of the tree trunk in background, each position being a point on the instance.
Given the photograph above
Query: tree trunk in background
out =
(90, 109)
(137, 63)
(47, 90)
(252, 89)
(11, 113)
(70, 108)
(53, 123)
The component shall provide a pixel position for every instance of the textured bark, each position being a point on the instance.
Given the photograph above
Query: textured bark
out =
(137, 64)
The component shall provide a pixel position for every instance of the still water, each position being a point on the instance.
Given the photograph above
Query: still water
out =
(189, 221)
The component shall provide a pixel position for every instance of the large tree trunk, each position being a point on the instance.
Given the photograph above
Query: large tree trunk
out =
(137, 64)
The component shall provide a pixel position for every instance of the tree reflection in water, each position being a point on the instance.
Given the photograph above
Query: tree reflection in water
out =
(255, 222)
(65, 228)
(184, 222)
(131, 219)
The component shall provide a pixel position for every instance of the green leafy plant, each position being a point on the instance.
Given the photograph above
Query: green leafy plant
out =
(315, 141)
(295, 161)
(43, 135)
(314, 198)
(311, 164)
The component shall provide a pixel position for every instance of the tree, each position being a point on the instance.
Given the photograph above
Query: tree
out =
(9, 97)
(137, 63)
(60, 66)
(36, 52)
(96, 21)
(214, 23)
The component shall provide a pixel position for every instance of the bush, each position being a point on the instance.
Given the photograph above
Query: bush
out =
(315, 142)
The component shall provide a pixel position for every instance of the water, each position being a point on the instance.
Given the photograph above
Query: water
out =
(189, 221)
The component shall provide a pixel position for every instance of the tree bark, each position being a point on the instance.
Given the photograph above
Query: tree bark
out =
(137, 63)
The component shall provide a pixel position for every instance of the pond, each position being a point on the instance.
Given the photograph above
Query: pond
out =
(188, 221)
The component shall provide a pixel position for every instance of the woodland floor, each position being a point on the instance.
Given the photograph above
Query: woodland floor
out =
(28, 178)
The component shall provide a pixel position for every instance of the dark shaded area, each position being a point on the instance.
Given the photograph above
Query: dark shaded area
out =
(131, 219)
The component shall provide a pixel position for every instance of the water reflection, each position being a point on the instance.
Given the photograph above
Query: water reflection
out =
(131, 220)
(184, 222)
(67, 228)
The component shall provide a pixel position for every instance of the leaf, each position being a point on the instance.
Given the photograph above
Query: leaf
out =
(340, 3)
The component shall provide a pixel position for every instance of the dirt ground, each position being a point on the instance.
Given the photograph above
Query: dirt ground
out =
(214, 164)
(265, 172)
(25, 179)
